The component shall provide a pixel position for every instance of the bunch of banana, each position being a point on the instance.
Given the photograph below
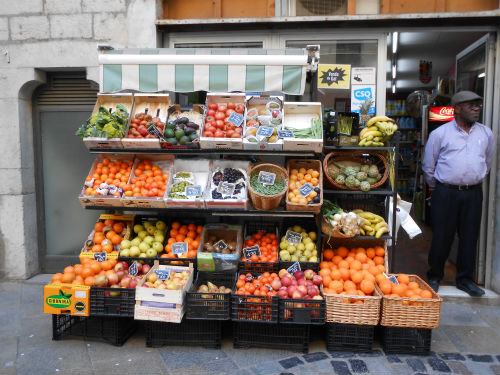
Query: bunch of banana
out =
(378, 130)
(374, 225)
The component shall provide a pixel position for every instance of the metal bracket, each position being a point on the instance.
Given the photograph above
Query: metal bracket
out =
(102, 48)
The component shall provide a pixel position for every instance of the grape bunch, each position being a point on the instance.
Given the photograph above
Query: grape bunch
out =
(238, 187)
(180, 187)
(216, 194)
(232, 175)
(217, 178)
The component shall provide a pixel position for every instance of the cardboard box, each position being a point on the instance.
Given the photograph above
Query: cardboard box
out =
(155, 105)
(208, 261)
(298, 115)
(196, 115)
(165, 162)
(201, 171)
(236, 204)
(260, 103)
(224, 143)
(110, 101)
(102, 200)
(60, 298)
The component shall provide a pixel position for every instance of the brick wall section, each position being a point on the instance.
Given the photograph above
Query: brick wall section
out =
(71, 26)
(33, 27)
(4, 28)
(17, 7)
(104, 6)
(63, 6)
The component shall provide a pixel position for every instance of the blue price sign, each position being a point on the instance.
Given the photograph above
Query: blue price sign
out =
(285, 134)
(193, 191)
(163, 274)
(267, 178)
(101, 256)
(133, 269)
(306, 189)
(265, 131)
(235, 118)
(293, 268)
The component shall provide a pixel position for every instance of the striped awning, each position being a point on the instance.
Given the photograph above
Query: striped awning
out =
(214, 70)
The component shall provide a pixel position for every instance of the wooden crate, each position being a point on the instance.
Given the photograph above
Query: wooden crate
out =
(299, 115)
(305, 163)
(260, 102)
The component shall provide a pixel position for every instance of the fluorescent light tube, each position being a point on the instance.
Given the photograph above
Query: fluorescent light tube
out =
(395, 41)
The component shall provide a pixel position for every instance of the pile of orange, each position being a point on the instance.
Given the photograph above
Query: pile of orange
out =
(85, 272)
(405, 288)
(111, 172)
(183, 233)
(107, 235)
(352, 272)
(268, 245)
(148, 181)
(299, 177)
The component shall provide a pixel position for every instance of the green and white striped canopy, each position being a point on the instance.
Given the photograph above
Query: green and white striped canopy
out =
(214, 70)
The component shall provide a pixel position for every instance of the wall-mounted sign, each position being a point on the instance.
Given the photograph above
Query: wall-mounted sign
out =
(337, 76)
(359, 94)
(363, 76)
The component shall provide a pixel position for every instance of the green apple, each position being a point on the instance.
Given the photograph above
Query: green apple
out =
(143, 247)
(125, 253)
(303, 259)
(138, 228)
(306, 240)
(283, 244)
(301, 247)
(147, 224)
(313, 236)
(151, 253)
(294, 258)
(159, 238)
(134, 251)
(143, 255)
(135, 242)
(151, 230)
(297, 229)
(149, 240)
(142, 234)
(285, 255)
(125, 244)
(161, 225)
(157, 246)
(158, 232)
(310, 246)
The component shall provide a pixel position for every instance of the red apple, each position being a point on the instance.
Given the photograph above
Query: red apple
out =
(101, 281)
(145, 269)
(308, 274)
(297, 294)
(133, 284)
(302, 289)
(282, 293)
(113, 279)
(312, 291)
(317, 280)
(276, 284)
(286, 281)
(283, 272)
(298, 274)
(125, 264)
(125, 282)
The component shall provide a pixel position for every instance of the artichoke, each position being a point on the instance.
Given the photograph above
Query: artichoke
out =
(352, 182)
(350, 171)
(365, 168)
(333, 172)
(371, 180)
(364, 186)
(373, 171)
(361, 176)
(340, 179)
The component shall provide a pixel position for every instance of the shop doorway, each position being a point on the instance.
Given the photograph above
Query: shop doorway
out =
(62, 163)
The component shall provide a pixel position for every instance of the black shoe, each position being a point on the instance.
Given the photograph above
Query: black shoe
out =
(469, 287)
(434, 284)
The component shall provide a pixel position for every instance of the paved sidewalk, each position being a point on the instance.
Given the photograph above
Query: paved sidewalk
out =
(467, 342)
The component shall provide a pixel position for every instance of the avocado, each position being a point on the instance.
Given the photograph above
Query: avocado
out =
(184, 140)
(172, 140)
(179, 133)
(169, 133)
(171, 125)
(194, 136)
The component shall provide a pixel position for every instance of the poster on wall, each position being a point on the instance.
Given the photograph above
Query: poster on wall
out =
(363, 76)
(336, 76)
(361, 95)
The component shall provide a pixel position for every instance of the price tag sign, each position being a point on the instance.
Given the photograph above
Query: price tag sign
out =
(267, 178)
(220, 245)
(249, 251)
(163, 274)
(293, 238)
(265, 131)
(193, 191)
(133, 269)
(235, 118)
(392, 278)
(293, 268)
(101, 256)
(152, 129)
(285, 134)
(306, 189)
(179, 247)
(226, 188)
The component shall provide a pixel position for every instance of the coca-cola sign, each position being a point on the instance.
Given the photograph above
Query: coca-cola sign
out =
(441, 113)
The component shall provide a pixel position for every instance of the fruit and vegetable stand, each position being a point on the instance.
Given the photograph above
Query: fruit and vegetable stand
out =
(194, 237)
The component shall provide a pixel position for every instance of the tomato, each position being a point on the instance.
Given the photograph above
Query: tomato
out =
(212, 129)
(240, 108)
(213, 106)
(210, 118)
(219, 134)
(230, 126)
(144, 122)
(219, 124)
(222, 108)
(230, 105)
(208, 133)
(236, 135)
(211, 112)
(230, 133)
(220, 116)
(228, 112)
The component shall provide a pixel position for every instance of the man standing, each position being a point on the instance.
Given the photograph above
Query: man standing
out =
(457, 158)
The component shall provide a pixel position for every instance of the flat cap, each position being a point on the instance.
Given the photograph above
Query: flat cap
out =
(464, 96)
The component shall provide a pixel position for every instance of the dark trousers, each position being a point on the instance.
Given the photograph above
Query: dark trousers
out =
(454, 210)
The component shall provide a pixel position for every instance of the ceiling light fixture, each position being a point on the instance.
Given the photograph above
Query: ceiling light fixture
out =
(394, 71)
(395, 42)
(394, 88)
(481, 75)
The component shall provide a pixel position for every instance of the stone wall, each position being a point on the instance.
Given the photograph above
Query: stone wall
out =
(35, 36)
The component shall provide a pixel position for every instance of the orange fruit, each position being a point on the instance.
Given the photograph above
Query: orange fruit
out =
(89, 280)
(370, 252)
(378, 260)
(99, 226)
(425, 294)
(361, 257)
(356, 265)
(343, 264)
(404, 279)
(413, 285)
(336, 275)
(357, 277)
(367, 287)
(379, 251)
(56, 277)
(379, 277)
(349, 286)
(176, 225)
(68, 277)
(342, 252)
(69, 269)
(399, 289)
(324, 272)
(344, 274)
(328, 254)
(386, 287)
(336, 259)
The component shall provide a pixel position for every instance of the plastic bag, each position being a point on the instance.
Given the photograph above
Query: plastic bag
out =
(403, 219)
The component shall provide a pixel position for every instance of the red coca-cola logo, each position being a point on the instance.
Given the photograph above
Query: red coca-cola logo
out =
(441, 114)
(446, 111)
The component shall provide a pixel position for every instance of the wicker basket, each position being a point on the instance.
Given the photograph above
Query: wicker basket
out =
(267, 202)
(376, 158)
(300, 163)
(341, 309)
(397, 314)
(326, 228)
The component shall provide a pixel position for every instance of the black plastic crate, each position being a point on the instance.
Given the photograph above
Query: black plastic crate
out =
(311, 226)
(259, 267)
(349, 337)
(106, 302)
(402, 340)
(301, 311)
(210, 306)
(114, 330)
(294, 337)
(367, 202)
(251, 308)
(206, 333)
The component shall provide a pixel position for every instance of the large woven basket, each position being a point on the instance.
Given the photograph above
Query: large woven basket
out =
(267, 202)
(305, 163)
(398, 312)
(326, 228)
(344, 309)
(358, 156)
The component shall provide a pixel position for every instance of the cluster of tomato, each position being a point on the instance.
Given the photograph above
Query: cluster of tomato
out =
(268, 245)
(183, 233)
(140, 123)
(107, 236)
(148, 181)
(216, 121)
(111, 172)
(248, 285)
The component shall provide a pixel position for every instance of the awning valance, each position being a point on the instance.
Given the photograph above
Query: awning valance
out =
(214, 70)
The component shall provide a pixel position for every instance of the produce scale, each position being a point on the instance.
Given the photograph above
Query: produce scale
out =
(238, 216)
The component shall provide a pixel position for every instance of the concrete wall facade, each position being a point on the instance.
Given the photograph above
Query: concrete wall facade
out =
(36, 36)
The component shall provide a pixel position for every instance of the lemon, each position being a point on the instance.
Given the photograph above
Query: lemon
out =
(312, 236)
(283, 245)
(310, 246)
(301, 247)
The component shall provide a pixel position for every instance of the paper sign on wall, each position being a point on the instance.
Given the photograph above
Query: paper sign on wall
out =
(360, 93)
(336, 76)
(363, 76)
